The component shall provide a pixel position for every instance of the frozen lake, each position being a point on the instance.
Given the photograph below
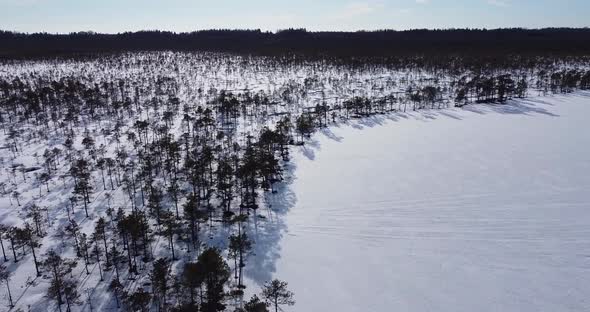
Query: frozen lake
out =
(485, 208)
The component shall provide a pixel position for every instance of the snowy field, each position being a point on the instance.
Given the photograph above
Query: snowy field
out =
(485, 208)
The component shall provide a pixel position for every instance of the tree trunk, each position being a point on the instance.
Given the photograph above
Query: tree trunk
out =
(3, 252)
(117, 298)
(106, 249)
(13, 250)
(99, 267)
(35, 259)
(172, 245)
(241, 265)
(9, 294)
(85, 206)
(103, 182)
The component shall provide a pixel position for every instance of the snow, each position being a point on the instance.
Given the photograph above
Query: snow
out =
(480, 208)
(484, 208)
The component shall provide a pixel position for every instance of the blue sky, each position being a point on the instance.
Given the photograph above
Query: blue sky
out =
(113, 16)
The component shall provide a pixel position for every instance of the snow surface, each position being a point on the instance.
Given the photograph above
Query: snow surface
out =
(485, 208)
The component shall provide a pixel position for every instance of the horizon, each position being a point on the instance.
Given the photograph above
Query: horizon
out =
(291, 28)
(112, 17)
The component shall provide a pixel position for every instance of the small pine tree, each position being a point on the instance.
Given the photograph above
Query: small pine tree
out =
(216, 275)
(255, 305)
(193, 277)
(276, 293)
(59, 268)
(160, 281)
(5, 277)
(138, 301)
(239, 245)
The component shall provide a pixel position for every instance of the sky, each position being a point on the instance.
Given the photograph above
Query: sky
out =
(113, 16)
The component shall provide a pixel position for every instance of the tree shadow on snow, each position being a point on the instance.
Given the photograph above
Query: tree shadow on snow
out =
(267, 227)
(529, 106)
(310, 147)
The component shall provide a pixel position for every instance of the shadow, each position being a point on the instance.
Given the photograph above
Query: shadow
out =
(529, 106)
(472, 108)
(357, 126)
(267, 227)
(308, 149)
(450, 115)
(330, 135)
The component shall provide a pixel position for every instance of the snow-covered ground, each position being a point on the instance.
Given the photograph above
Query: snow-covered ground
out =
(485, 208)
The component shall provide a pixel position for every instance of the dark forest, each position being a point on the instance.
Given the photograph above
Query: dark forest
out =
(386, 43)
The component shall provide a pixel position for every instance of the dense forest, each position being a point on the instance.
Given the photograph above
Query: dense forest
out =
(149, 171)
(386, 43)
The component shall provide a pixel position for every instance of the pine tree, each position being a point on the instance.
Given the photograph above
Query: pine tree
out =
(13, 240)
(225, 174)
(96, 253)
(276, 293)
(193, 277)
(193, 216)
(82, 184)
(84, 250)
(3, 230)
(88, 142)
(100, 234)
(5, 277)
(171, 226)
(100, 164)
(72, 230)
(247, 173)
(160, 281)
(33, 212)
(138, 301)
(116, 287)
(304, 126)
(71, 295)
(174, 192)
(33, 243)
(116, 258)
(58, 268)
(155, 204)
(239, 245)
(255, 305)
(216, 275)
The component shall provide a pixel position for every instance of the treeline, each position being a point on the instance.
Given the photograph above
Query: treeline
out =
(385, 43)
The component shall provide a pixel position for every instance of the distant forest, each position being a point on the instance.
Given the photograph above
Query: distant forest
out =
(386, 43)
